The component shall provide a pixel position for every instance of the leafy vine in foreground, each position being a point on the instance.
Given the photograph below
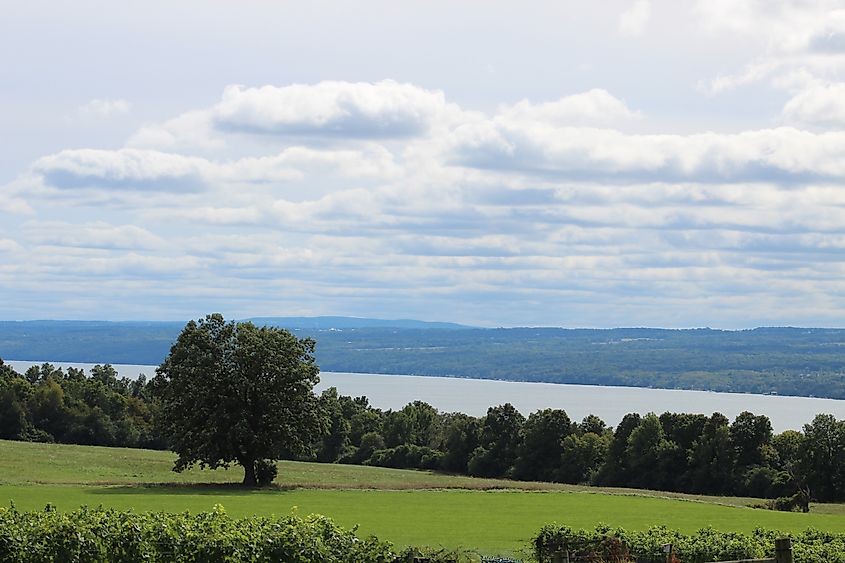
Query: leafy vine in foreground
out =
(707, 544)
(99, 535)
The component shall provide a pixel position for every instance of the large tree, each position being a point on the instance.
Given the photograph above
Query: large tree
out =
(236, 393)
(822, 463)
(500, 439)
(541, 447)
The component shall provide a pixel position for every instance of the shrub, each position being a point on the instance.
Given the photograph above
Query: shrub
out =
(100, 535)
(35, 435)
(406, 456)
(370, 442)
(704, 545)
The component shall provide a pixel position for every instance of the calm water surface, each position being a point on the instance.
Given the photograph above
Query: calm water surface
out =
(473, 396)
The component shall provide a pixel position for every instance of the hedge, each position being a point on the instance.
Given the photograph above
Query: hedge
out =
(99, 535)
(705, 545)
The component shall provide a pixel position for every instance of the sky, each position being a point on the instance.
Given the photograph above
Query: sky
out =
(576, 164)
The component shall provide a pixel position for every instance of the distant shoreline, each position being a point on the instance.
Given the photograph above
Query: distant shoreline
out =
(473, 396)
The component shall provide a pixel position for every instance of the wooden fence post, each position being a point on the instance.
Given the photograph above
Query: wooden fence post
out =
(783, 551)
(669, 550)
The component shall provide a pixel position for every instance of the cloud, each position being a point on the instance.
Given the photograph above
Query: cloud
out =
(14, 200)
(797, 37)
(569, 139)
(129, 174)
(783, 26)
(192, 131)
(343, 109)
(104, 107)
(819, 106)
(632, 22)
(96, 235)
(8, 245)
(753, 72)
(594, 107)
(330, 110)
(831, 42)
(123, 169)
(782, 155)
(209, 215)
(544, 206)
(297, 162)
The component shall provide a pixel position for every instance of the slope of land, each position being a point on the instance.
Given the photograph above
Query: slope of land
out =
(784, 361)
(406, 507)
(343, 323)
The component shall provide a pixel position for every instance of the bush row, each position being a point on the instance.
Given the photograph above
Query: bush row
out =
(617, 544)
(99, 535)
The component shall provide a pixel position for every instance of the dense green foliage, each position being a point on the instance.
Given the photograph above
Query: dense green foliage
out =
(99, 535)
(703, 546)
(112, 535)
(672, 452)
(47, 404)
(786, 361)
(233, 392)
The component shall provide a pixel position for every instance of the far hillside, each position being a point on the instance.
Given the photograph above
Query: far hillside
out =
(785, 361)
(341, 323)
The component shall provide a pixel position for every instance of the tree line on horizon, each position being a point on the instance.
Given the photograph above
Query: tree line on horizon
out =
(680, 452)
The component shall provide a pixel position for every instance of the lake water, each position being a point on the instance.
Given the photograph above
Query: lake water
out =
(473, 396)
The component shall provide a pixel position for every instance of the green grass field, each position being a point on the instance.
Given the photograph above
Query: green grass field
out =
(406, 507)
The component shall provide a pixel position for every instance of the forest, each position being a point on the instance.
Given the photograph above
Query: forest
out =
(671, 451)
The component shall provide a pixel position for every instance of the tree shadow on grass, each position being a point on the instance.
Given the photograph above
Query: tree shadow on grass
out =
(169, 489)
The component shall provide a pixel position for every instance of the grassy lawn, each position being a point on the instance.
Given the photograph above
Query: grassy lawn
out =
(23, 462)
(406, 507)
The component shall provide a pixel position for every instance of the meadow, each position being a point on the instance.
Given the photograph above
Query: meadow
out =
(405, 507)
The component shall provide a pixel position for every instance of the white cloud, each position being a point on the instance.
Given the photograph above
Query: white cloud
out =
(93, 235)
(296, 162)
(344, 109)
(782, 155)
(548, 205)
(330, 110)
(122, 169)
(191, 131)
(753, 72)
(632, 22)
(594, 107)
(798, 38)
(104, 107)
(8, 245)
(209, 215)
(784, 26)
(105, 174)
(14, 201)
(819, 106)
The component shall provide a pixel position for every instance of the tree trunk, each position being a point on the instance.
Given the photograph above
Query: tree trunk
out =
(249, 473)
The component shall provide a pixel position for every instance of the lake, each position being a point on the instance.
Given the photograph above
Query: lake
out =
(473, 396)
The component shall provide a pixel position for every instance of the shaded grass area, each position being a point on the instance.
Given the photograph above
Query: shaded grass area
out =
(405, 507)
(25, 462)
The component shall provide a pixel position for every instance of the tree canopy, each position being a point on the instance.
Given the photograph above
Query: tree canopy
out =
(236, 393)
